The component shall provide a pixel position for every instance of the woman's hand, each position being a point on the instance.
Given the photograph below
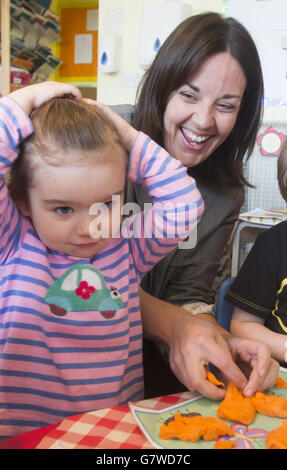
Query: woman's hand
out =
(194, 344)
(197, 342)
(33, 96)
(126, 131)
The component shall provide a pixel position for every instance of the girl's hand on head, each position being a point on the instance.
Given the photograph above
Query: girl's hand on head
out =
(126, 131)
(33, 96)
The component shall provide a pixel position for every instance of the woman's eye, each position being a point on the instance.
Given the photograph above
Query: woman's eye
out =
(225, 107)
(64, 210)
(187, 95)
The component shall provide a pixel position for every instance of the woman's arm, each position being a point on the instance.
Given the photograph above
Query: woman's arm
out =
(193, 343)
(249, 326)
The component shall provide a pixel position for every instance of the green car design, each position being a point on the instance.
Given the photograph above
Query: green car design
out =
(82, 288)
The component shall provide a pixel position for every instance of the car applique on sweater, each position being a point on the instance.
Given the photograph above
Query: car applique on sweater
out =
(82, 288)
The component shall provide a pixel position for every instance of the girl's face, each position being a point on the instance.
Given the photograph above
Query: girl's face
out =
(63, 203)
(201, 113)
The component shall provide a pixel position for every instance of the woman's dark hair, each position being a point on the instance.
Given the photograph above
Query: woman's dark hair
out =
(194, 41)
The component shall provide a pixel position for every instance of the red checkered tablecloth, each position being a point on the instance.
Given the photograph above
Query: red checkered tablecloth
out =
(112, 428)
(105, 429)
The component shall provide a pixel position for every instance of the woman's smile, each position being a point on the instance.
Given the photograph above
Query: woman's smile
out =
(201, 113)
(196, 141)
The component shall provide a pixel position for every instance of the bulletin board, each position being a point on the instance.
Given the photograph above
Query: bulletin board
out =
(78, 48)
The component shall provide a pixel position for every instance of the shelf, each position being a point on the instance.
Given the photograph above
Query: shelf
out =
(28, 30)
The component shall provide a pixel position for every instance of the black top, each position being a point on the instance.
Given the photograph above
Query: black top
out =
(260, 287)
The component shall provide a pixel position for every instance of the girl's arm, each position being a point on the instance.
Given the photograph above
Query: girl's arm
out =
(127, 133)
(176, 201)
(249, 326)
(15, 126)
(176, 204)
(33, 96)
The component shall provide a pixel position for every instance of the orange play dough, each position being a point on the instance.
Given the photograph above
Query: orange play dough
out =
(270, 405)
(194, 428)
(236, 407)
(211, 378)
(280, 383)
(277, 439)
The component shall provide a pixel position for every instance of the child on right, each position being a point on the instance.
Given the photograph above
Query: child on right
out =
(259, 291)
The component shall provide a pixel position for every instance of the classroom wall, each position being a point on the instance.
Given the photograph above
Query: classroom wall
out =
(73, 20)
(124, 18)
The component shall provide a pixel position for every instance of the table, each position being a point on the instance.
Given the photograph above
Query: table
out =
(112, 428)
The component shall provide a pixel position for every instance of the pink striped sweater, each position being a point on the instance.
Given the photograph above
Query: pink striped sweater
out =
(54, 366)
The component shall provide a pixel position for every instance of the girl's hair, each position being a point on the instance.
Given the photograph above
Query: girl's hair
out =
(282, 170)
(194, 41)
(66, 131)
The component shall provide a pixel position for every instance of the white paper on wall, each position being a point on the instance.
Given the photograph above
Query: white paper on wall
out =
(83, 48)
(92, 19)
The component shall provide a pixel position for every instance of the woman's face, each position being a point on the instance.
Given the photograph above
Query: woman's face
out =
(201, 113)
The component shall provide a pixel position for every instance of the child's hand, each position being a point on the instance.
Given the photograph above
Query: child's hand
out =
(126, 131)
(254, 359)
(33, 96)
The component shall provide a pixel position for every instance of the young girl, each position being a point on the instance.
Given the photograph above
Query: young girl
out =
(71, 326)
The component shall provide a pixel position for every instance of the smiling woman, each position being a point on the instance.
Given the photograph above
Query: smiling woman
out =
(198, 118)
(225, 47)
(201, 99)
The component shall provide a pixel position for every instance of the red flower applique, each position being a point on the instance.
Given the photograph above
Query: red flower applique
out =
(84, 290)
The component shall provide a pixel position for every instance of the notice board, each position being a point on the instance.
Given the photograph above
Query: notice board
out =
(79, 45)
